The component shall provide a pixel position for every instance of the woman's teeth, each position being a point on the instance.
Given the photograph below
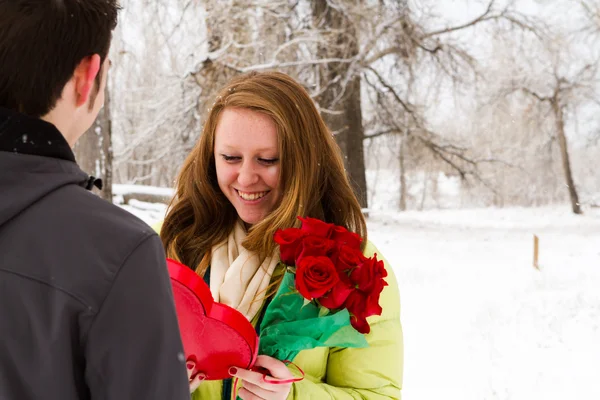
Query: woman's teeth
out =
(251, 196)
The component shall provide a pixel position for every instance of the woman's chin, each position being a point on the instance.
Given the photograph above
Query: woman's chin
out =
(250, 220)
(251, 215)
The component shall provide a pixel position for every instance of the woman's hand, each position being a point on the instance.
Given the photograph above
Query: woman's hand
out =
(194, 379)
(254, 385)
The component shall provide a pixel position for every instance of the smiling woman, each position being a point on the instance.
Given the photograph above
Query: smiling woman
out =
(265, 158)
(247, 162)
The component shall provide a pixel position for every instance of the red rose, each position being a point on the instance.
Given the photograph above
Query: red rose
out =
(316, 246)
(363, 302)
(316, 227)
(342, 236)
(372, 306)
(368, 274)
(289, 240)
(315, 276)
(358, 317)
(349, 258)
(338, 294)
(368, 279)
(361, 306)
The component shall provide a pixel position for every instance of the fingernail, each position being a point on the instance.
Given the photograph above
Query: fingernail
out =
(189, 366)
(232, 371)
(201, 376)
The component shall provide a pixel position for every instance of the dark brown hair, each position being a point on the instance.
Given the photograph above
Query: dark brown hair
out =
(41, 44)
(312, 178)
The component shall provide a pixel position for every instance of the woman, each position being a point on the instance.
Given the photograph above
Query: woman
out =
(264, 158)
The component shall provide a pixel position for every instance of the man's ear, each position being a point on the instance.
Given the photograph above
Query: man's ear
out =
(85, 75)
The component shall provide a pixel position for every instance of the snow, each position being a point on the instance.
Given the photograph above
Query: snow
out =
(149, 212)
(479, 321)
(125, 189)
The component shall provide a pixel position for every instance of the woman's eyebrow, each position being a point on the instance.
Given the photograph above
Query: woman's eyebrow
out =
(231, 147)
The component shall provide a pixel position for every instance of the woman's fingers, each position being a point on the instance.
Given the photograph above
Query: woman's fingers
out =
(277, 368)
(190, 365)
(251, 391)
(254, 385)
(196, 381)
(262, 392)
(245, 394)
(252, 377)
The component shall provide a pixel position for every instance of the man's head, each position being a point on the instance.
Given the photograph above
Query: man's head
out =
(53, 59)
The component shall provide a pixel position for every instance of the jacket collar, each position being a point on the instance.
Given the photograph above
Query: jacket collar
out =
(22, 134)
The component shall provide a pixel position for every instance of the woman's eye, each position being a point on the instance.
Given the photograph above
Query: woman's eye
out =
(229, 158)
(268, 161)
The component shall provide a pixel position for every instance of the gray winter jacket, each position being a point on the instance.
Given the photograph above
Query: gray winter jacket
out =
(86, 308)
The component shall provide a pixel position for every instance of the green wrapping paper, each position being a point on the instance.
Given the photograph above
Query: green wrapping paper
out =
(292, 324)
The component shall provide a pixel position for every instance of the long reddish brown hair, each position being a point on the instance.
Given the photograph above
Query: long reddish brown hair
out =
(312, 178)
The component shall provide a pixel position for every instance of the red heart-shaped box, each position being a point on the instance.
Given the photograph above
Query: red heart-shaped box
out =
(215, 336)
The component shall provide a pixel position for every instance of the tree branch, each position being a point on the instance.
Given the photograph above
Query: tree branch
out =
(391, 90)
(536, 95)
(382, 133)
(481, 18)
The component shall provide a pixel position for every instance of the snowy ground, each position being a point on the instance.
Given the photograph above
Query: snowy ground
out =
(479, 321)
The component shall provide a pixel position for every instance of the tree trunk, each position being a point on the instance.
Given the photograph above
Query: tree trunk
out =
(564, 152)
(342, 100)
(402, 175)
(93, 150)
(353, 136)
(424, 193)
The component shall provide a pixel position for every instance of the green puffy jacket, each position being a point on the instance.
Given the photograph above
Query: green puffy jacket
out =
(374, 372)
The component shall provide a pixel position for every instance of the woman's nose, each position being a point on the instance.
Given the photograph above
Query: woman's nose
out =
(247, 175)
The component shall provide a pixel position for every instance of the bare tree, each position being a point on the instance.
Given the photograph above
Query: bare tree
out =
(559, 82)
(156, 116)
(93, 150)
(591, 21)
(378, 71)
(426, 59)
(563, 92)
(339, 87)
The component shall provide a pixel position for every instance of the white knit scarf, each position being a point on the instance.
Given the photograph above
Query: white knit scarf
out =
(237, 278)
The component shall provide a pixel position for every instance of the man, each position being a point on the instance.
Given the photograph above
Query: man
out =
(86, 308)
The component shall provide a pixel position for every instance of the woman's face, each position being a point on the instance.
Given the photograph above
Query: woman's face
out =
(247, 162)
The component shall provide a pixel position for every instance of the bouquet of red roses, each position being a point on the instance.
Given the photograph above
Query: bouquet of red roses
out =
(328, 291)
